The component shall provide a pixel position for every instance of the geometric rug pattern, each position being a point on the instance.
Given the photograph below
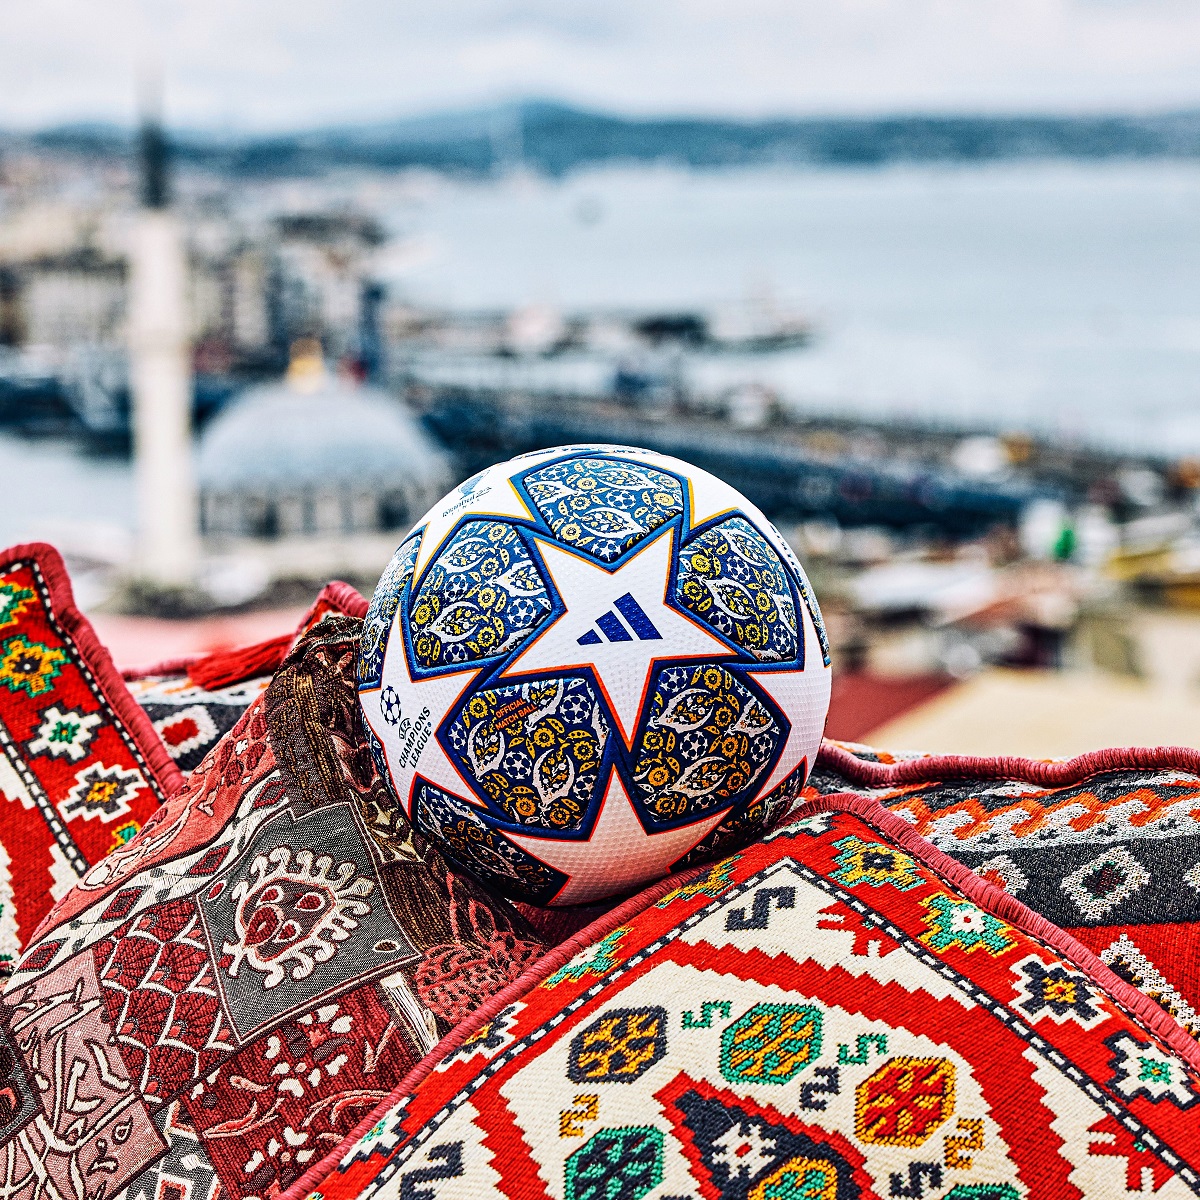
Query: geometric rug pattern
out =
(81, 768)
(1106, 846)
(838, 1011)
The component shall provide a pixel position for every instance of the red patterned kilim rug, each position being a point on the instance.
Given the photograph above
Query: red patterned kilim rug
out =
(193, 701)
(1106, 845)
(837, 1012)
(81, 768)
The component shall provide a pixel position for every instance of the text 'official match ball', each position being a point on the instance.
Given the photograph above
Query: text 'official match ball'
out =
(589, 666)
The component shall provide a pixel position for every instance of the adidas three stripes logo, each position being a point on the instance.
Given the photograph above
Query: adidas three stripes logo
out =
(613, 629)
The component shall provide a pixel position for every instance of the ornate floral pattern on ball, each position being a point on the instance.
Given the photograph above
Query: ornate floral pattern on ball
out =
(706, 744)
(480, 848)
(534, 749)
(601, 506)
(384, 603)
(482, 595)
(732, 579)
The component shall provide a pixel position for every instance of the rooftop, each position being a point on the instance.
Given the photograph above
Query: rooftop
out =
(317, 431)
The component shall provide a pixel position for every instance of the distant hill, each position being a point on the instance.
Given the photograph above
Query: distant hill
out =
(556, 139)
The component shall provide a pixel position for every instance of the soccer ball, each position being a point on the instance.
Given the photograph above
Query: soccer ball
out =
(589, 666)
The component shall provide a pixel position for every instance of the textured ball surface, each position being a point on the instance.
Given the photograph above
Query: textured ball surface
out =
(589, 666)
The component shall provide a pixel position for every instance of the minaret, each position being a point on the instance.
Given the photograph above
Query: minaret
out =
(161, 377)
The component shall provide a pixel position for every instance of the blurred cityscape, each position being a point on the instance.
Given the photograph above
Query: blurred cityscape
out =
(968, 563)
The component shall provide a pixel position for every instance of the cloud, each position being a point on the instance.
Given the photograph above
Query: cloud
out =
(283, 63)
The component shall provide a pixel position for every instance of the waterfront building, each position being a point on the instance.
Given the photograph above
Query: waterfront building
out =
(317, 456)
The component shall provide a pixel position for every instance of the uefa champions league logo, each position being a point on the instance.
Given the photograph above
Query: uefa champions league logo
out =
(413, 734)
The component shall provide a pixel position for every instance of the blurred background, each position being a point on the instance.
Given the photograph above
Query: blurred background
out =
(921, 277)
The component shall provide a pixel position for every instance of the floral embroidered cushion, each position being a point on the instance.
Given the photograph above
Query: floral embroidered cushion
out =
(81, 768)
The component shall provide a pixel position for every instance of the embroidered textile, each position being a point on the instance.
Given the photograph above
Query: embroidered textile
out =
(218, 1003)
(81, 769)
(1106, 846)
(838, 1011)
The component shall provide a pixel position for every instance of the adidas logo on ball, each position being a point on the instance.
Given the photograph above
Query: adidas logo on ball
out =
(612, 629)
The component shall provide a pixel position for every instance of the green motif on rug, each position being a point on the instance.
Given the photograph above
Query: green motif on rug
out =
(14, 600)
(616, 1164)
(771, 1043)
(950, 922)
(983, 1191)
(603, 959)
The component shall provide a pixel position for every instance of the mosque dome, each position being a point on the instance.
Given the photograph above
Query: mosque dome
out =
(316, 455)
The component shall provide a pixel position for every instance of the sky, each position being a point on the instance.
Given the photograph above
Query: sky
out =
(283, 64)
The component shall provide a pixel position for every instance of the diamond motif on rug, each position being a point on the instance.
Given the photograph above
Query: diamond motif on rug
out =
(102, 792)
(1103, 883)
(188, 730)
(67, 733)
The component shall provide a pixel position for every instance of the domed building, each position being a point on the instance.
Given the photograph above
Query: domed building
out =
(316, 456)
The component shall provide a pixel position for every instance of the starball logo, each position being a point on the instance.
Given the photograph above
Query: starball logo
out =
(412, 732)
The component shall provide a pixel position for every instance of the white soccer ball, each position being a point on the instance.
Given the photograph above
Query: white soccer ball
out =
(589, 666)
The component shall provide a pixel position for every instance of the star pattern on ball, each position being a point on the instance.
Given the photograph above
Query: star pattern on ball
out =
(617, 624)
(408, 729)
(619, 855)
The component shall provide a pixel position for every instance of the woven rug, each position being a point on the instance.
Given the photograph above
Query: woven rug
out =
(218, 1002)
(1106, 845)
(839, 1011)
(193, 701)
(81, 768)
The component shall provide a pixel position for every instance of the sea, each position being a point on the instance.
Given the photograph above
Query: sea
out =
(1062, 298)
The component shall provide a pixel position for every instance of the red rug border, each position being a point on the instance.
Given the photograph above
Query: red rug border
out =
(1047, 773)
(978, 890)
(97, 661)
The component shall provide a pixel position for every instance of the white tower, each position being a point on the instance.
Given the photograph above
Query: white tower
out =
(161, 376)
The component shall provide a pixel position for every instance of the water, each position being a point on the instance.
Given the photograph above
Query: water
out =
(59, 495)
(1058, 297)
